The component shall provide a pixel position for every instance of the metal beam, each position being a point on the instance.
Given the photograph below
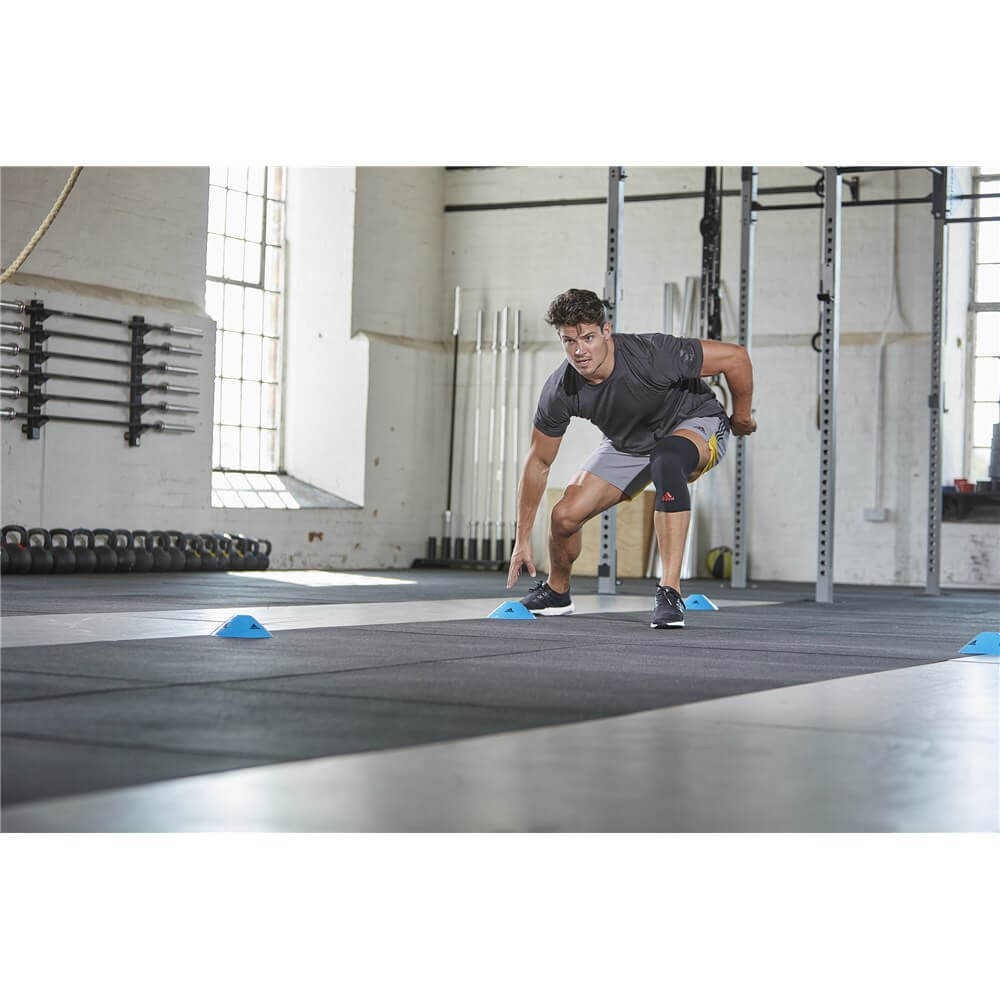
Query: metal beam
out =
(607, 562)
(742, 492)
(939, 295)
(829, 296)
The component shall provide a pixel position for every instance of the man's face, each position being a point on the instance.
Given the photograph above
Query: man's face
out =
(586, 346)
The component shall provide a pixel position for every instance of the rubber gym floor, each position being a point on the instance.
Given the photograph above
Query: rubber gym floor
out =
(390, 701)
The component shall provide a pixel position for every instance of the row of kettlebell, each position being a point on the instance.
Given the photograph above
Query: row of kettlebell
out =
(35, 550)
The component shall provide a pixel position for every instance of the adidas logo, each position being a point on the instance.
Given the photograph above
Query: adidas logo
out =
(667, 495)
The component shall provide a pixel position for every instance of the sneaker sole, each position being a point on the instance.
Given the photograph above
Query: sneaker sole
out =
(568, 610)
(668, 625)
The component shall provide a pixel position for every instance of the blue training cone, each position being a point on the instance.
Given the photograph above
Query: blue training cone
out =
(242, 627)
(986, 644)
(699, 602)
(512, 611)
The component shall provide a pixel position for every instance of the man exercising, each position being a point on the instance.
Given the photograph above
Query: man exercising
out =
(661, 423)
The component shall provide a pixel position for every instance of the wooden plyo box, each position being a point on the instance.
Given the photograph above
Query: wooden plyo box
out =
(633, 530)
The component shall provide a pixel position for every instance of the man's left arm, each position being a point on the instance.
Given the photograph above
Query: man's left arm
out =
(732, 361)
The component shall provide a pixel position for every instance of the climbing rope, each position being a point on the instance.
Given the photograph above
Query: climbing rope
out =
(33, 242)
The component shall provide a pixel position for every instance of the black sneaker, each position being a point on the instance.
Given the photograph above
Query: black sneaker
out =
(543, 600)
(668, 611)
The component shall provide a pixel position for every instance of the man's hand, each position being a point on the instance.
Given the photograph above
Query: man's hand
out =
(742, 426)
(520, 559)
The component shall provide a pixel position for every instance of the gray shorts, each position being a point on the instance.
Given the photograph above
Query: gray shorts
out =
(631, 474)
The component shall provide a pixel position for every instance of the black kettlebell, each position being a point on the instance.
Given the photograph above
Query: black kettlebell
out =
(107, 558)
(63, 556)
(41, 555)
(264, 558)
(143, 553)
(178, 550)
(160, 551)
(125, 551)
(248, 547)
(236, 560)
(209, 557)
(223, 551)
(86, 557)
(192, 554)
(4, 559)
(20, 557)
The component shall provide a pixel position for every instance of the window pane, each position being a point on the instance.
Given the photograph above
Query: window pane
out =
(230, 447)
(213, 256)
(216, 210)
(258, 482)
(275, 483)
(276, 182)
(270, 314)
(238, 178)
(275, 216)
(232, 312)
(987, 282)
(251, 263)
(216, 452)
(217, 407)
(980, 464)
(255, 219)
(268, 405)
(230, 499)
(988, 240)
(268, 449)
(272, 500)
(234, 260)
(218, 175)
(213, 300)
(220, 481)
(290, 502)
(218, 356)
(238, 481)
(269, 361)
(250, 447)
(232, 358)
(984, 416)
(255, 180)
(987, 333)
(253, 310)
(231, 412)
(250, 412)
(987, 380)
(983, 205)
(236, 214)
(272, 269)
(251, 359)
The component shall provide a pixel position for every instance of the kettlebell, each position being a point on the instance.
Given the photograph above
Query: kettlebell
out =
(264, 558)
(20, 557)
(192, 554)
(160, 552)
(247, 546)
(124, 551)
(236, 560)
(63, 556)
(86, 557)
(107, 558)
(209, 557)
(143, 554)
(41, 555)
(177, 550)
(222, 552)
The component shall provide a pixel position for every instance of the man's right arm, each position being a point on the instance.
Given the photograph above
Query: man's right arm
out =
(541, 455)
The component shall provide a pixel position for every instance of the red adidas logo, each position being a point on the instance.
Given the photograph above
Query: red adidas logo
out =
(666, 496)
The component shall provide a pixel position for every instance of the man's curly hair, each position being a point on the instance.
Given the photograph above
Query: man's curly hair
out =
(576, 307)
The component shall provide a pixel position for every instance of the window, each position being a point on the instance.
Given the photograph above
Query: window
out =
(243, 294)
(986, 320)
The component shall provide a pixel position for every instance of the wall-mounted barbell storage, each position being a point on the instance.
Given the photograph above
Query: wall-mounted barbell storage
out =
(38, 355)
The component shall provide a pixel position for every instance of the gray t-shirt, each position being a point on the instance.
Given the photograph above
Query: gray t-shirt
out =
(654, 386)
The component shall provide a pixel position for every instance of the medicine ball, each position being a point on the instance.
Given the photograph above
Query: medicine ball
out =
(720, 562)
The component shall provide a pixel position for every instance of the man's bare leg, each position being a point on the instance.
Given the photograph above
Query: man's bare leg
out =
(586, 496)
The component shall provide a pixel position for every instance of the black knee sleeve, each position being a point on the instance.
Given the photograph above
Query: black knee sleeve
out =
(672, 462)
